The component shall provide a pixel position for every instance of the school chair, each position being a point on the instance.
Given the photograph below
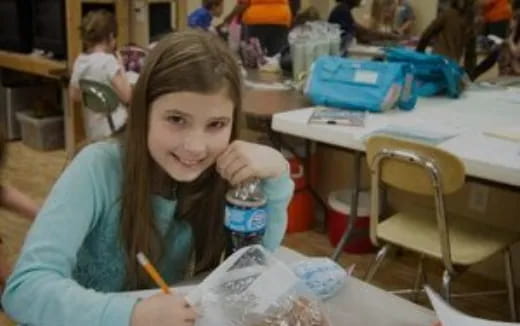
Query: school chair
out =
(458, 242)
(99, 98)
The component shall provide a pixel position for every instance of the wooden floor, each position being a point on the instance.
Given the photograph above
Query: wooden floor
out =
(34, 173)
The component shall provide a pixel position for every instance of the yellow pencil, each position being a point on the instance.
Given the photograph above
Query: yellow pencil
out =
(154, 274)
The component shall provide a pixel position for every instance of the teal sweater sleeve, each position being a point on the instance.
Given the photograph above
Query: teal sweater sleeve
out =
(279, 192)
(41, 290)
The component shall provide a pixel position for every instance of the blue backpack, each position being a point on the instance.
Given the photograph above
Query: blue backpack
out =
(434, 74)
(361, 85)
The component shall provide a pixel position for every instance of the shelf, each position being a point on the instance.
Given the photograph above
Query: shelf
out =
(33, 64)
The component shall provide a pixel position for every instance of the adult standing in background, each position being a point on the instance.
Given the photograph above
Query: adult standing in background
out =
(496, 15)
(295, 6)
(269, 21)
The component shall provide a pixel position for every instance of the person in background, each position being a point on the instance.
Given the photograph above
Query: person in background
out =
(101, 63)
(310, 14)
(341, 15)
(203, 16)
(404, 17)
(268, 21)
(496, 15)
(453, 34)
(295, 6)
(382, 16)
(15, 201)
(235, 13)
(506, 54)
(158, 189)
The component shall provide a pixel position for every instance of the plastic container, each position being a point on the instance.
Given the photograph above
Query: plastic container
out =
(337, 216)
(301, 207)
(42, 133)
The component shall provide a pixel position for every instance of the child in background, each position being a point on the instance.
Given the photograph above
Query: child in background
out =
(382, 16)
(99, 62)
(453, 34)
(341, 14)
(203, 16)
(507, 54)
(15, 201)
(404, 17)
(160, 189)
(236, 13)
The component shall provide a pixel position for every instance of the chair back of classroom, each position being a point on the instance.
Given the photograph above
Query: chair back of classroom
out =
(99, 98)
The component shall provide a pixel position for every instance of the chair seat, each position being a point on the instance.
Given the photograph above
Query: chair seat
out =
(471, 241)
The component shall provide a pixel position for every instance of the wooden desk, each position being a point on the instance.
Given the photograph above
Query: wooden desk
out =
(261, 103)
(33, 64)
(264, 103)
(54, 69)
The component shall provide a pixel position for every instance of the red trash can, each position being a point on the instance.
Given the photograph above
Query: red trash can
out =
(301, 208)
(338, 214)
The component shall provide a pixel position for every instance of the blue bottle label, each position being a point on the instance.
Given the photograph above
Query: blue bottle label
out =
(245, 219)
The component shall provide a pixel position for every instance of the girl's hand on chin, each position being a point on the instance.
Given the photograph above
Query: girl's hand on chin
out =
(242, 161)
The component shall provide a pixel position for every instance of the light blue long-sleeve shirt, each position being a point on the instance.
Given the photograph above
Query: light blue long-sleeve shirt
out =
(72, 256)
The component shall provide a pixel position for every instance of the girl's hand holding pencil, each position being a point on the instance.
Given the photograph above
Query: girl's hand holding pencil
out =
(165, 308)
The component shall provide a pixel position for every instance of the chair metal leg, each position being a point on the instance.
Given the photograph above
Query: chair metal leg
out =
(508, 266)
(446, 285)
(111, 123)
(419, 279)
(381, 254)
(353, 208)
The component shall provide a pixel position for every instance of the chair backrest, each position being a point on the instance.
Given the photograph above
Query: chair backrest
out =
(98, 97)
(419, 169)
(398, 169)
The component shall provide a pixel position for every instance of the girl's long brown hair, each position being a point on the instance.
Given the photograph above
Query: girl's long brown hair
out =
(191, 61)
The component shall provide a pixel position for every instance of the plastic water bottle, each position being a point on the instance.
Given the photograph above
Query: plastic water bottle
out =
(246, 214)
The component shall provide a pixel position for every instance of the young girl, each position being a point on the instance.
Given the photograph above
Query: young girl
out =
(453, 33)
(100, 63)
(159, 190)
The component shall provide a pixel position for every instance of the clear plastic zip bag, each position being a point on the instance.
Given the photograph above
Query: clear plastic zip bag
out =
(253, 288)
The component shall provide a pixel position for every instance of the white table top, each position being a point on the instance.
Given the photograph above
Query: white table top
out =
(357, 304)
(467, 118)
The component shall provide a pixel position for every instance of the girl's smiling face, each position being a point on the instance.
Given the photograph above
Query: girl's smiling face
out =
(188, 131)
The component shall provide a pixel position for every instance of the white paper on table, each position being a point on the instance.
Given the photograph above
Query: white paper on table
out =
(267, 86)
(449, 316)
(511, 133)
